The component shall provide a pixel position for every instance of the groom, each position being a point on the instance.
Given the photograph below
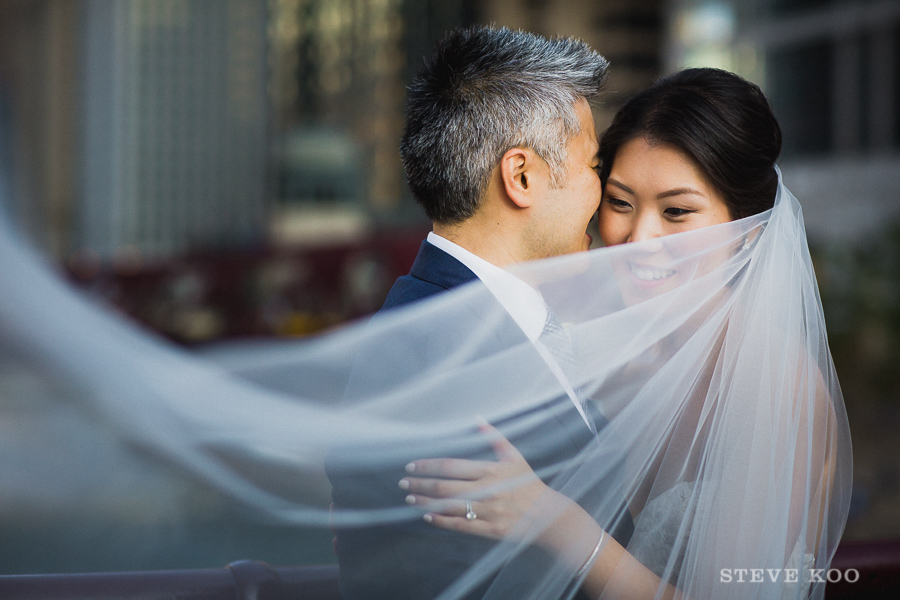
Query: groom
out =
(500, 149)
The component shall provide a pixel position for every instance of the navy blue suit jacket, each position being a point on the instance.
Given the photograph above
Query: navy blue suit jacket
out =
(433, 271)
(413, 560)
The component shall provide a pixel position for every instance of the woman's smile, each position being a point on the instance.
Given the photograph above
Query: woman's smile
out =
(650, 275)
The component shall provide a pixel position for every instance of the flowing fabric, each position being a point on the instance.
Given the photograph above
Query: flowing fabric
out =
(702, 357)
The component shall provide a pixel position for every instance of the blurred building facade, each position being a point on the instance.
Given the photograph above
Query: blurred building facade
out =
(337, 84)
(155, 128)
(38, 116)
(174, 126)
(629, 33)
(832, 71)
(148, 132)
(164, 126)
(144, 126)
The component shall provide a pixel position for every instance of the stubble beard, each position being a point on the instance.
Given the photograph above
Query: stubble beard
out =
(546, 244)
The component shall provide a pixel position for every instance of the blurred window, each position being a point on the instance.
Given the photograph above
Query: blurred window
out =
(832, 71)
(780, 7)
(800, 82)
(894, 107)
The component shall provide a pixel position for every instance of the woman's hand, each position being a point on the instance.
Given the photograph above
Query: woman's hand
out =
(505, 496)
(510, 501)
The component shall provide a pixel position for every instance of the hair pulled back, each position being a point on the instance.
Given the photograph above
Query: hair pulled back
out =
(722, 122)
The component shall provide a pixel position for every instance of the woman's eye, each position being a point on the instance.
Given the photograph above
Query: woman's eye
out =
(618, 204)
(677, 212)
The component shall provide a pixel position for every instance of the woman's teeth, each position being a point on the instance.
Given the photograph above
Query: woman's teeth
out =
(650, 273)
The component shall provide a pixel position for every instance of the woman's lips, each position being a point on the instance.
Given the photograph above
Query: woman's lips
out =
(647, 276)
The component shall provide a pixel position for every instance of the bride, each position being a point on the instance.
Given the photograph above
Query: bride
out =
(705, 353)
(739, 478)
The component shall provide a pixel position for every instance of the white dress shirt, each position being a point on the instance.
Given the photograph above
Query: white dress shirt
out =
(523, 303)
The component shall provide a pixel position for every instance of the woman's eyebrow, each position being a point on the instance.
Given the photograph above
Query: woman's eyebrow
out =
(678, 192)
(619, 185)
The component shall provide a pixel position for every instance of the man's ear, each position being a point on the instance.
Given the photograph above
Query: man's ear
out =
(519, 174)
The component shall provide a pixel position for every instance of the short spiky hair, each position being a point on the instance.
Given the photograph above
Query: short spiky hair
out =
(486, 90)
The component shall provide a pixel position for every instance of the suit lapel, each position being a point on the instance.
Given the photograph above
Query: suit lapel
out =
(439, 268)
(436, 266)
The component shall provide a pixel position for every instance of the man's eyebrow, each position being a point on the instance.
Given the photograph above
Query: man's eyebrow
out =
(678, 192)
(619, 185)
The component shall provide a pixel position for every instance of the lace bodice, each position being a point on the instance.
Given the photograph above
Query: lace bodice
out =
(657, 533)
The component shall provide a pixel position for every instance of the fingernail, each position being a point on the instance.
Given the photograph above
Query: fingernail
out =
(427, 518)
(410, 499)
(404, 484)
(411, 467)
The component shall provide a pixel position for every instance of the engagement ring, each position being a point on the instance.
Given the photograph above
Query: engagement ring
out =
(470, 512)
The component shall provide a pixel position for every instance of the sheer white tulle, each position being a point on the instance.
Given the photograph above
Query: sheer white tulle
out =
(705, 351)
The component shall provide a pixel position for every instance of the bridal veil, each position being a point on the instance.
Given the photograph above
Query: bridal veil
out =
(705, 352)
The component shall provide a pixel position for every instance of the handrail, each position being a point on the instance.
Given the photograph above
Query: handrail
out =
(242, 580)
(869, 570)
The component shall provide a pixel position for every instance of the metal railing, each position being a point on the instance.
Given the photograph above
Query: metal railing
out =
(242, 580)
(860, 571)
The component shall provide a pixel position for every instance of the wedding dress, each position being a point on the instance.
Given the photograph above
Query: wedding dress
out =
(660, 547)
(705, 352)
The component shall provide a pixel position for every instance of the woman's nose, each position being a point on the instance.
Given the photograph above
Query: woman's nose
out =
(645, 228)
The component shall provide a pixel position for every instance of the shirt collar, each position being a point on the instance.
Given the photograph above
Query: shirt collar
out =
(524, 304)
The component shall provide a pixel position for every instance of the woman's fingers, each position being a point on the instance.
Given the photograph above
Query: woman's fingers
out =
(459, 468)
(436, 488)
(457, 515)
(464, 525)
(467, 510)
(503, 448)
(455, 468)
(444, 506)
(447, 488)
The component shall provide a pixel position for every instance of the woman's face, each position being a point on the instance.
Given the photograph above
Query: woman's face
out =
(653, 191)
(656, 190)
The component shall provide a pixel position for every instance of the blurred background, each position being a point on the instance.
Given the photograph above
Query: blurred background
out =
(222, 170)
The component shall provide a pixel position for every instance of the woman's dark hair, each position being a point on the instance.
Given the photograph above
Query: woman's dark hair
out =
(721, 121)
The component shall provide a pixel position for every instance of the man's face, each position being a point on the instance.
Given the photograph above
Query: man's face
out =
(560, 225)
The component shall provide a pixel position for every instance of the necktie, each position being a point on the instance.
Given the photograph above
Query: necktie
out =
(557, 340)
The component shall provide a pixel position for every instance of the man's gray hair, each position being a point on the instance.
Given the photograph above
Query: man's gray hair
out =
(486, 90)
